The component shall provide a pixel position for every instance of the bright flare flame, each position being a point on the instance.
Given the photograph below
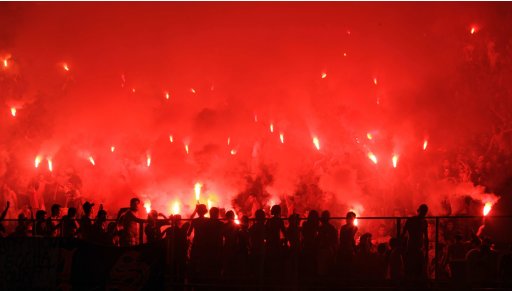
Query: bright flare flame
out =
(281, 137)
(112, 148)
(148, 160)
(233, 152)
(237, 221)
(229, 140)
(472, 30)
(175, 208)
(316, 142)
(272, 128)
(13, 111)
(37, 161)
(356, 222)
(487, 208)
(65, 67)
(373, 158)
(171, 138)
(6, 64)
(147, 206)
(210, 204)
(167, 95)
(91, 159)
(50, 165)
(197, 190)
(425, 144)
(375, 81)
(395, 160)
(324, 75)
(186, 148)
(369, 136)
(193, 90)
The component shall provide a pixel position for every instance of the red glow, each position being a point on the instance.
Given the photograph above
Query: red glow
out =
(65, 67)
(487, 208)
(473, 30)
(197, 191)
(147, 206)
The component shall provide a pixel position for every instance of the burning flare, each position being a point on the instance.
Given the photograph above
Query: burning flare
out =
(13, 111)
(197, 190)
(375, 81)
(167, 95)
(91, 159)
(6, 64)
(175, 209)
(373, 158)
(281, 137)
(171, 138)
(65, 67)
(148, 160)
(272, 128)
(112, 148)
(487, 208)
(425, 144)
(186, 148)
(233, 152)
(369, 136)
(395, 160)
(50, 165)
(37, 161)
(316, 142)
(193, 90)
(324, 75)
(147, 206)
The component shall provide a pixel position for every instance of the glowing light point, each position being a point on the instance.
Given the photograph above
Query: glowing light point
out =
(167, 95)
(6, 64)
(133, 90)
(171, 138)
(148, 160)
(237, 221)
(425, 144)
(229, 140)
(91, 159)
(112, 148)
(272, 128)
(193, 90)
(316, 142)
(255, 118)
(487, 208)
(37, 161)
(50, 164)
(175, 208)
(65, 67)
(324, 75)
(375, 81)
(233, 152)
(356, 222)
(13, 111)
(472, 30)
(395, 160)
(186, 148)
(147, 206)
(369, 136)
(209, 203)
(373, 158)
(281, 137)
(197, 191)
(344, 54)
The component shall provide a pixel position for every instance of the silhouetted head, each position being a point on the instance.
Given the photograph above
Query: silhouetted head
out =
(294, 220)
(260, 215)
(71, 212)
(276, 210)
(153, 214)
(87, 207)
(230, 215)
(55, 210)
(134, 204)
(326, 215)
(201, 210)
(102, 216)
(422, 210)
(176, 219)
(351, 216)
(313, 216)
(214, 213)
(244, 221)
(40, 215)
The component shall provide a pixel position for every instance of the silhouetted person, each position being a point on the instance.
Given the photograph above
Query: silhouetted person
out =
(85, 222)
(177, 242)
(130, 222)
(257, 243)
(214, 229)
(309, 229)
(347, 245)
(482, 263)
(21, 229)
(456, 257)
(69, 224)
(364, 261)
(2, 217)
(395, 261)
(381, 259)
(154, 225)
(230, 233)
(99, 229)
(41, 228)
(242, 248)
(54, 221)
(327, 245)
(274, 228)
(416, 229)
(293, 239)
(199, 249)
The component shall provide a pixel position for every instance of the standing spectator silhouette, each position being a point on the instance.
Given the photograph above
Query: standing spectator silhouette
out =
(85, 230)
(41, 229)
(242, 248)
(347, 245)
(54, 224)
(130, 223)
(293, 239)
(257, 244)
(395, 261)
(327, 245)
(274, 228)
(176, 238)
(199, 247)
(213, 258)
(154, 225)
(231, 235)
(69, 224)
(309, 230)
(99, 228)
(2, 217)
(416, 229)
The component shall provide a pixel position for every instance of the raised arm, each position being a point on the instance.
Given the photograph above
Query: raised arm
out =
(4, 213)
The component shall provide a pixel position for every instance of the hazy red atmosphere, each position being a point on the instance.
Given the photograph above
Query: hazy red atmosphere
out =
(365, 106)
